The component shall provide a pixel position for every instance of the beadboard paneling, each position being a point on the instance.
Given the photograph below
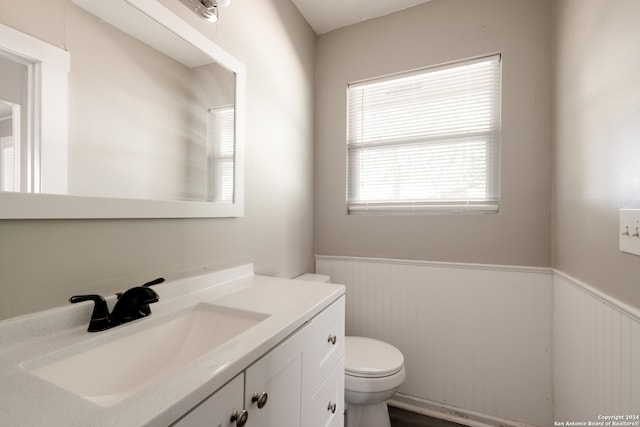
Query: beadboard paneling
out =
(476, 337)
(596, 358)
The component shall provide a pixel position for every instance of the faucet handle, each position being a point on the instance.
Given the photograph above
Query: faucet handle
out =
(100, 317)
(146, 285)
(154, 282)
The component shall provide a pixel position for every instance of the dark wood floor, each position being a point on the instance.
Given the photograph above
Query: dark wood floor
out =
(402, 418)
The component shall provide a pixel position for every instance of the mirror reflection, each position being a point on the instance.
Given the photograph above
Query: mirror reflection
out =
(9, 136)
(143, 124)
(13, 95)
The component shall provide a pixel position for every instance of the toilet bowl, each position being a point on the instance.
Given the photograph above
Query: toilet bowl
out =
(374, 370)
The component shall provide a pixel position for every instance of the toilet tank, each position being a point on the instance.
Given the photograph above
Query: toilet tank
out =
(310, 277)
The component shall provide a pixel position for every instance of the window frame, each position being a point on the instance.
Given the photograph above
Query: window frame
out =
(489, 203)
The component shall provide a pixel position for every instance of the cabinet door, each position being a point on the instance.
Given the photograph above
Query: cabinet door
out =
(216, 410)
(278, 375)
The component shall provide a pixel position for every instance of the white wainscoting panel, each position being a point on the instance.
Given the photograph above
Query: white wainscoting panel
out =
(476, 337)
(596, 358)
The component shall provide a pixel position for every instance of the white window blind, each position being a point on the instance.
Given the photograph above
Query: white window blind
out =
(428, 140)
(9, 164)
(220, 154)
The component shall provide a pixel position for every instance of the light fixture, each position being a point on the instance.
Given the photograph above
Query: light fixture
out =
(206, 9)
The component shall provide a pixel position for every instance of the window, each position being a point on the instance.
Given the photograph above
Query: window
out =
(7, 164)
(10, 146)
(220, 154)
(426, 141)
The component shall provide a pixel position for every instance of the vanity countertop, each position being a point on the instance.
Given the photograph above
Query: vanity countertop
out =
(39, 338)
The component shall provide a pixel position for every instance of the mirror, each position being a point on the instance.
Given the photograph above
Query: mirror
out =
(156, 124)
(9, 156)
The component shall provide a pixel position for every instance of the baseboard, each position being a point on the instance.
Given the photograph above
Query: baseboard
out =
(450, 413)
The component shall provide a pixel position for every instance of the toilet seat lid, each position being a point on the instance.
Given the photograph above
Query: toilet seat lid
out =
(368, 357)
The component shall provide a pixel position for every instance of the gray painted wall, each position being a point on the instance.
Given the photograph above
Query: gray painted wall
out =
(595, 110)
(597, 140)
(437, 32)
(42, 263)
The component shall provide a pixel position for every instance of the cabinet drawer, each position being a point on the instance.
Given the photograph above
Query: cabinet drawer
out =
(326, 344)
(320, 410)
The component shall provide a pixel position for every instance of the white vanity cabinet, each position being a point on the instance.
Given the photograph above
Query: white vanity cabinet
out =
(226, 337)
(272, 394)
(299, 383)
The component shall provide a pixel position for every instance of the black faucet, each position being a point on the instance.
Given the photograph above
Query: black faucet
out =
(131, 305)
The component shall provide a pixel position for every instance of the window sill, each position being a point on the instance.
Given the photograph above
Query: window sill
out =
(423, 208)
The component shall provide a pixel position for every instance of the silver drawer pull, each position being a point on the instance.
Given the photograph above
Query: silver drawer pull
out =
(332, 339)
(332, 407)
(240, 418)
(260, 398)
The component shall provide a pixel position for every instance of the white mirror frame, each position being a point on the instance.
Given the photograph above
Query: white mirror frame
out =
(53, 206)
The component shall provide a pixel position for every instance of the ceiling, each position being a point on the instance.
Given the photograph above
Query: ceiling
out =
(328, 15)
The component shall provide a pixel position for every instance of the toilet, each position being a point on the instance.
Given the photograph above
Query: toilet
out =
(374, 370)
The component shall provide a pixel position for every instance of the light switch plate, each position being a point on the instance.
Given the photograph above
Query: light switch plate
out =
(629, 232)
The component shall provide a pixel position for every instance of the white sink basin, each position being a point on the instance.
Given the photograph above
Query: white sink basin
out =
(112, 371)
